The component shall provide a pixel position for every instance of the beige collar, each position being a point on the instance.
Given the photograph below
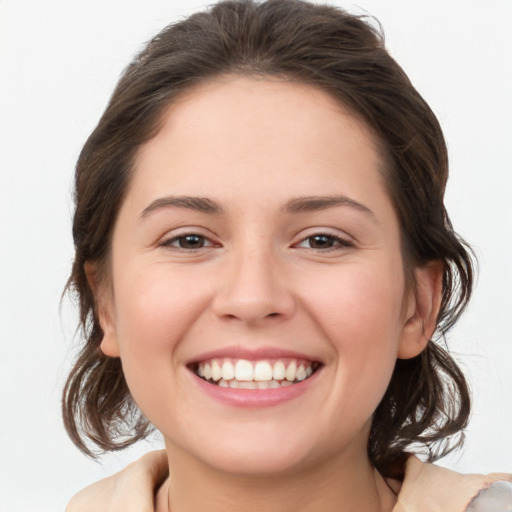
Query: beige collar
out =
(430, 488)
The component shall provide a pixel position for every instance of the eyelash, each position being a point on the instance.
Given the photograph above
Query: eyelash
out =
(176, 242)
(334, 242)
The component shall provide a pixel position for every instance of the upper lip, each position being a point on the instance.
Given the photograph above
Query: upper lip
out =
(252, 354)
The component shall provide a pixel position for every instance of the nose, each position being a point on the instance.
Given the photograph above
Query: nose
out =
(253, 289)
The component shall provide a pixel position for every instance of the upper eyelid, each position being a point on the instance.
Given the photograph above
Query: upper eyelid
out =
(188, 230)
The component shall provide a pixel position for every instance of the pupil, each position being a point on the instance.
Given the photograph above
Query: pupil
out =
(191, 242)
(321, 241)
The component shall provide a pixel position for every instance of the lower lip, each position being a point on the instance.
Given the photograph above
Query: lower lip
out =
(255, 397)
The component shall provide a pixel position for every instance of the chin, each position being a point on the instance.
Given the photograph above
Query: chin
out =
(254, 463)
(257, 452)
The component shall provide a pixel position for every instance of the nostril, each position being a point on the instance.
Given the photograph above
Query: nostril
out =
(252, 304)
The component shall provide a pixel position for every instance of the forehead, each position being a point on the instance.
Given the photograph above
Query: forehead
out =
(238, 130)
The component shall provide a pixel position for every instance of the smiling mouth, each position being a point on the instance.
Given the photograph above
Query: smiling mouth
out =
(261, 374)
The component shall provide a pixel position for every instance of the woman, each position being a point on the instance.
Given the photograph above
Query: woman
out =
(263, 260)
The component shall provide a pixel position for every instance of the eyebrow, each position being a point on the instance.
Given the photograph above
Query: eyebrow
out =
(199, 204)
(315, 203)
(296, 205)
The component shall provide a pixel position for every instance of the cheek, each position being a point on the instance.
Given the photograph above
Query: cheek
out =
(357, 305)
(153, 309)
(359, 311)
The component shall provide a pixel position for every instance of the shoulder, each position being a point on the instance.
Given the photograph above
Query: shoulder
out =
(431, 488)
(495, 498)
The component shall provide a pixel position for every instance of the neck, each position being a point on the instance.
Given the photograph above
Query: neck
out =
(333, 486)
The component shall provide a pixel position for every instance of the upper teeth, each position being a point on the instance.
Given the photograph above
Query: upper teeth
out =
(259, 371)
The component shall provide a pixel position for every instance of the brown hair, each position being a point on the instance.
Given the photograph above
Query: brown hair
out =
(427, 400)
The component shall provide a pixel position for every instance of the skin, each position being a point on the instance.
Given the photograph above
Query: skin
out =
(261, 276)
(130, 490)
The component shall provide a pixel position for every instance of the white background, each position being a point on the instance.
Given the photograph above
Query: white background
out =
(59, 61)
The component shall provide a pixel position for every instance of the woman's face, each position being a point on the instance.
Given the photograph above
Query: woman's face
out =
(257, 239)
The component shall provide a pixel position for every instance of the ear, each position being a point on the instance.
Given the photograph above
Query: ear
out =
(422, 310)
(103, 299)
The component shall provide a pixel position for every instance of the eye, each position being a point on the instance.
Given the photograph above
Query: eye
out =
(324, 241)
(188, 241)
